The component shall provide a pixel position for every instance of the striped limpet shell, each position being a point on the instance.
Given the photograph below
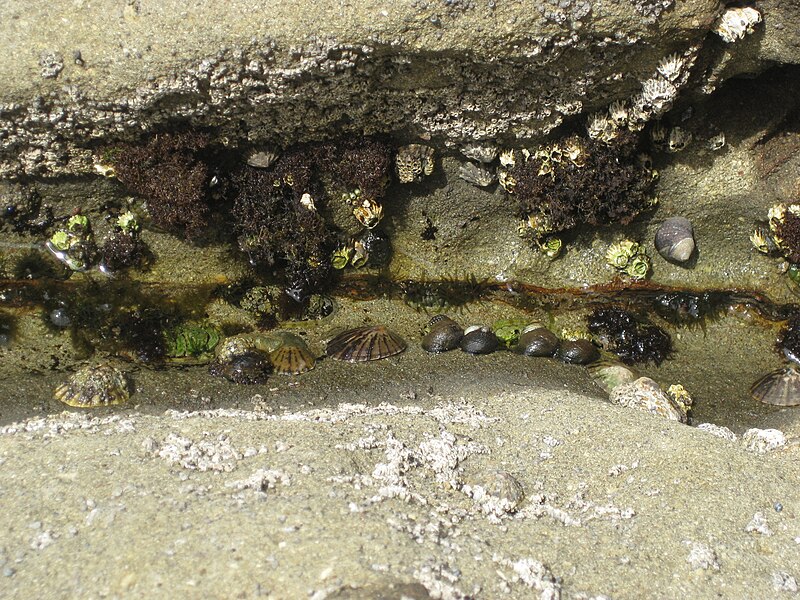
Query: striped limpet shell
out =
(292, 357)
(94, 385)
(780, 387)
(365, 343)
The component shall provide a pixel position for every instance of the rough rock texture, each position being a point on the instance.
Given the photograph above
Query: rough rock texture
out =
(461, 71)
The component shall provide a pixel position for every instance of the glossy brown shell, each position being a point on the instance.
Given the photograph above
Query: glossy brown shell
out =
(364, 344)
(444, 334)
(780, 387)
(538, 342)
(480, 341)
(578, 352)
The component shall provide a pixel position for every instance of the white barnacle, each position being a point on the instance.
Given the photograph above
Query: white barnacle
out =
(678, 139)
(671, 66)
(716, 142)
(639, 113)
(659, 135)
(476, 174)
(735, 23)
(574, 151)
(600, 127)
(507, 158)
(308, 202)
(596, 125)
(507, 182)
(659, 94)
(618, 113)
(775, 215)
(482, 154)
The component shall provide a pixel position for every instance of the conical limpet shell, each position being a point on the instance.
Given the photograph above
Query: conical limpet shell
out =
(780, 387)
(364, 344)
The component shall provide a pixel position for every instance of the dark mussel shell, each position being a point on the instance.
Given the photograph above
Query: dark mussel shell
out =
(479, 341)
(250, 367)
(538, 342)
(365, 343)
(779, 388)
(443, 334)
(578, 352)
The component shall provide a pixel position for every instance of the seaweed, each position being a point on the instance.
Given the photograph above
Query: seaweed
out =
(630, 337)
(168, 170)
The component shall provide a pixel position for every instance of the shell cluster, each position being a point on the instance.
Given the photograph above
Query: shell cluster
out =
(94, 385)
(629, 258)
(414, 162)
(74, 244)
(479, 172)
(735, 23)
(371, 248)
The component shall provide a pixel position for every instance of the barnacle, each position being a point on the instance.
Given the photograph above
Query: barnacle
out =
(369, 213)
(629, 258)
(670, 67)
(482, 154)
(413, 162)
(761, 238)
(507, 158)
(737, 22)
(784, 223)
(476, 174)
(618, 113)
(678, 139)
(262, 159)
(507, 182)
(658, 93)
(550, 246)
(640, 112)
(659, 135)
(600, 127)
(74, 245)
(716, 142)
(680, 396)
(341, 257)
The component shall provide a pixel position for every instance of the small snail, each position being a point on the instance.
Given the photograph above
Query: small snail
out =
(538, 341)
(443, 334)
(578, 352)
(675, 239)
(479, 340)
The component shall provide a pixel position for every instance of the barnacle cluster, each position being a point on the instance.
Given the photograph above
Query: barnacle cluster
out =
(629, 258)
(577, 180)
(631, 338)
(737, 22)
(783, 234)
(74, 244)
(413, 162)
(371, 248)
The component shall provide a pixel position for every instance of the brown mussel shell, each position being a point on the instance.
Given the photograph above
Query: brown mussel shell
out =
(780, 387)
(249, 367)
(538, 342)
(443, 334)
(578, 352)
(365, 343)
(479, 341)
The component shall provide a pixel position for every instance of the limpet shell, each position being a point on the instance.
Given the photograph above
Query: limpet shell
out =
(364, 344)
(780, 387)
(292, 357)
(443, 334)
(94, 385)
